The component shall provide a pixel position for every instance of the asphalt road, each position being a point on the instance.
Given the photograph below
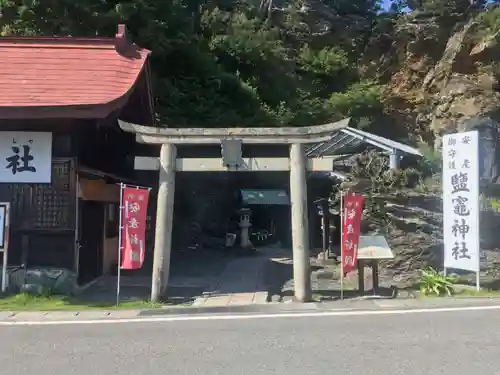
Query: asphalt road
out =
(457, 343)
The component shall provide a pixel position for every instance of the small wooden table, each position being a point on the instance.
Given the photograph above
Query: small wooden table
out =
(371, 250)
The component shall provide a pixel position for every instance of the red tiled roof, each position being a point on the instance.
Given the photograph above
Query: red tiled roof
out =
(67, 71)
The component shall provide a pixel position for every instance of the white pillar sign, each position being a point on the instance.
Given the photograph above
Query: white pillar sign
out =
(461, 201)
(25, 157)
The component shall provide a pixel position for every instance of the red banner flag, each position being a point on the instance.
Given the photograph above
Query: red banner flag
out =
(133, 229)
(351, 222)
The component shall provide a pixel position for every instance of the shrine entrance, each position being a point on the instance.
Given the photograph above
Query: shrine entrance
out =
(300, 161)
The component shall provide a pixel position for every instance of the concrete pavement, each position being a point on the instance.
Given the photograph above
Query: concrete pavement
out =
(241, 283)
(458, 342)
(211, 280)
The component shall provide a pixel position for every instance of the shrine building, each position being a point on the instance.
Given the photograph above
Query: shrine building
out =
(61, 150)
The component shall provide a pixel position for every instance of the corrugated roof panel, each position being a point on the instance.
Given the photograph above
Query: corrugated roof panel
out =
(354, 141)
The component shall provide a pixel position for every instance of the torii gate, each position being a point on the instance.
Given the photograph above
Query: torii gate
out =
(297, 164)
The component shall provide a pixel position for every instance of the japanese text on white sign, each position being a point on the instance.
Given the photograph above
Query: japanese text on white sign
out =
(25, 157)
(461, 201)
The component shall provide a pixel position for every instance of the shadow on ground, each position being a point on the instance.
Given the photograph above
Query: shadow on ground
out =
(191, 273)
(336, 294)
(493, 285)
(277, 275)
(130, 294)
(325, 287)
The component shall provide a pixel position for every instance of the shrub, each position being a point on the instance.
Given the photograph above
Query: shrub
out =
(434, 283)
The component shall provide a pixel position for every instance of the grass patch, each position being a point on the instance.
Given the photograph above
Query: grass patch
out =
(466, 292)
(316, 297)
(28, 302)
(477, 293)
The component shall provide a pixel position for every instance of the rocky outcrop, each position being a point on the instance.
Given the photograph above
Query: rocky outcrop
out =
(415, 236)
(443, 75)
(39, 281)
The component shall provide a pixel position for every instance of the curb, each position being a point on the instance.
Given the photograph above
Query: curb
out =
(268, 308)
(353, 304)
(257, 308)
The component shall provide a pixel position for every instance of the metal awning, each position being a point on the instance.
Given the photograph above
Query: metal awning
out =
(348, 141)
(265, 197)
(92, 173)
(335, 175)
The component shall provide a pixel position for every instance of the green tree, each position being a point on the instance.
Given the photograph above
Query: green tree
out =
(231, 62)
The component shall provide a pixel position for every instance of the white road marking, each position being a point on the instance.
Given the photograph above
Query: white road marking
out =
(180, 318)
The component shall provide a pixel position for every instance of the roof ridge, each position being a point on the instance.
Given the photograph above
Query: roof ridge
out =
(120, 38)
(13, 41)
(76, 46)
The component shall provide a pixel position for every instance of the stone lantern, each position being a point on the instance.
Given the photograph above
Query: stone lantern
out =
(245, 224)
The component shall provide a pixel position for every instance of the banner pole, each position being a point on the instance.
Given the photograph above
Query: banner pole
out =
(341, 244)
(119, 247)
(134, 186)
(478, 223)
(5, 230)
(4, 271)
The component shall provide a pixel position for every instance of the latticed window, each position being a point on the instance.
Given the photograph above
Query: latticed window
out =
(54, 202)
(46, 206)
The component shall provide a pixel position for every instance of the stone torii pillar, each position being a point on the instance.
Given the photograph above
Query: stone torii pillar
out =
(298, 164)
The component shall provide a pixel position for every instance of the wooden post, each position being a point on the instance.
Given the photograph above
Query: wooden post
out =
(324, 229)
(300, 223)
(164, 221)
(375, 280)
(361, 276)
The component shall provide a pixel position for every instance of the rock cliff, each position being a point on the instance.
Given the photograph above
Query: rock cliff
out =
(440, 73)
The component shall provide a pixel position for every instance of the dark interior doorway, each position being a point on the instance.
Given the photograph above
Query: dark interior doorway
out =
(274, 220)
(91, 231)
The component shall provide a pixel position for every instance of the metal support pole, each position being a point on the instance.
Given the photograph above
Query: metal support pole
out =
(478, 246)
(324, 230)
(164, 221)
(6, 240)
(342, 216)
(300, 223)
(119, 266)
(76, 264)
(394, 160)
(4, 271)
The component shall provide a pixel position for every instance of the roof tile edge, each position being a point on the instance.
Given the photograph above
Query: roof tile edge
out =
(119, 40)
